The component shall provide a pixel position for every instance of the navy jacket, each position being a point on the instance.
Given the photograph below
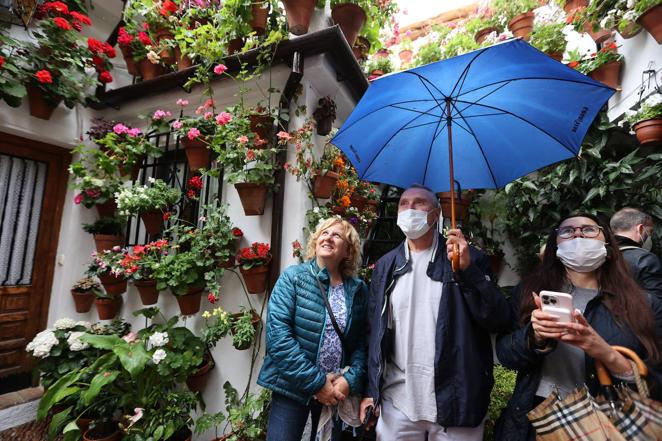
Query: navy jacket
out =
(296, 318)
(644, 265)
(514, 352)
(471, 307)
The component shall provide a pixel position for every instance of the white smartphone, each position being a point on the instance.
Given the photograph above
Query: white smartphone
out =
(558, 304)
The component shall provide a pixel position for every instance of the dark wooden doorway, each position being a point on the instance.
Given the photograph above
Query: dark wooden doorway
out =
(33, 183)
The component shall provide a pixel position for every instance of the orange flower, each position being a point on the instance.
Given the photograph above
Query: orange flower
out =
(338, 163)
(344, 201)
(342, 185)
(573, 64)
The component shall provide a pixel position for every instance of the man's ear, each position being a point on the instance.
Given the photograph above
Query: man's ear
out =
(433, 215)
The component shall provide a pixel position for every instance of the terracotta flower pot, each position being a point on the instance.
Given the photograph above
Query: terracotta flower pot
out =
(189, 303)
(149, 70)
(84, 424)
(324, 185)
(648, 131)
(608, 73)
(255, 320)
(461, 205)
(89, 436)
(362, 203)
(651, 20)
(632, 30)
(298, 14)
(153, 221)
(107, 308)
(350, 17)
(253, 197)
(114, 286)
(197, 380)
(132, 171)
(598, 36)
(572, 5)
(108, 241)
(107, 209)
(558, 56)
(83, 300)
(131, 66)
(197, 153)
(483, 34)
(255, 278)
(149, 295)
(235, 45)
(361, 48)
(405, 56)
(260, 13)
(522, 25)
(39, 106)
(263, 125)
(377, 73)
(183, 62)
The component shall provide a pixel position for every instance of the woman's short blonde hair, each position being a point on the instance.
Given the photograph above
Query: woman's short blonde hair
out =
(350, 265)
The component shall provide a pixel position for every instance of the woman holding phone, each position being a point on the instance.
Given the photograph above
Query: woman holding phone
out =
(610, 309)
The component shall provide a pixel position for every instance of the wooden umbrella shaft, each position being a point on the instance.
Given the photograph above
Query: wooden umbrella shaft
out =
(455, 258)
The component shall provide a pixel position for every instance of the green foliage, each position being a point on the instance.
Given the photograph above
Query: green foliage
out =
(504, 383)
(428, 53)
(12, 89)
(549, 37)
(651, 108)
(106, 225)
(509, 9)
(247, 416)
(460, 43)
(139, 198)
(380, 63)
(243, 330)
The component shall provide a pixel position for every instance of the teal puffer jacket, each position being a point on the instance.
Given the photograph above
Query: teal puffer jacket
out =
(295, 324)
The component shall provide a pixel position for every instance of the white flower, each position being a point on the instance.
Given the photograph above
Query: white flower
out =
(151, 180)
(84, 324)
(65, 323)
(653, 100)
(158, 355)
(630, 4)
(158, 339)
(630, 16)
(75, 343)
(42, 344)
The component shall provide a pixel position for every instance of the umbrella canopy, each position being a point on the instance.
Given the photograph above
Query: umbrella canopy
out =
(512, 110)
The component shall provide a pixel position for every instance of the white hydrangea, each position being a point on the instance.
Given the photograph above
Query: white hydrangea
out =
(64, 323)
(158, 356)
(158, 339)
(75, 343)
(42, 344)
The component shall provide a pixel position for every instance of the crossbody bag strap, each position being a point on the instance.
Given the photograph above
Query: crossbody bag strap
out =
(331, 316)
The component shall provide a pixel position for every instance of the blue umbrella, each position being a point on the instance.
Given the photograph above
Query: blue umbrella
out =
(481, 119)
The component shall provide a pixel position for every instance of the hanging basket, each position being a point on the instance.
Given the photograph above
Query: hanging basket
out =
(350, 17)
(107, 209)
(260, 13)
(461, 205)
(298, 14)
(197, 153)
(651, 20)
(131, 66)
(522, 25)
(83, 300)
(649, 131)
(189, 303)
(114, 286)
(324, 185)
(253, 197)
(107, 308)
(108, 241)
(153, 221)
(263, 125)
(149, 295)
(39, 106)
(196, 381)
(255, 321)
(255, 278)
(608, 73)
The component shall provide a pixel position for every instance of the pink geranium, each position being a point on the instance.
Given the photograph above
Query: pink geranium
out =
(283, 136)
(182, 103)
(220, 68)
(243, 139)
(193, 133)
(120, 129)
(161, 114)
(177, 125)
(134, 132)
(223, 118)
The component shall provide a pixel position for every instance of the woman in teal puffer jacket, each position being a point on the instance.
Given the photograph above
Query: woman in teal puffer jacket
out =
(305, 365)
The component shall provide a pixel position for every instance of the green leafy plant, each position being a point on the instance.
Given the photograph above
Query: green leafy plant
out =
(549, 37)
(106, 225)
(428, 53)
(218, 324)
(247, 416)
(138, 198)
(651, 108)
(86, 284)
(506, 10)
(504, 383)
(124, 147)
(607, 54)
(107, 262)
(379, 63)
(243, 330)
(12, 90)
(143, 260)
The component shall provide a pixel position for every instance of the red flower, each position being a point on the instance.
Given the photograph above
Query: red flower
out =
(573, 64)
(124, 38)
(166, 216)
(236, 232)
(44, 76)
(94, 45)
(195, 182)
(109, 50)
(81, 18)
(211, 297)
(144, 39)
(97, 61)
(78, 198)
(2, 61)
(250, 155)
(191, 194)
(57, 7)
(105, 77)
(76, 25)
(168, 8)
(62, 23)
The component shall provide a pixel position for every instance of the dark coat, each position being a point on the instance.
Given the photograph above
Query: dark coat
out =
(644, 266)
(514, 352)
(471, 307)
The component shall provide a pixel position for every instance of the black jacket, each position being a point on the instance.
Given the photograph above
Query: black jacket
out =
(644, 265)
(471, 307)
(514, 352)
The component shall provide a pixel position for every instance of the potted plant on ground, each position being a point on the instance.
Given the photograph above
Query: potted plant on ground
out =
(549, 38)
(324, 115)
(108, 232)
(517, 15)
(646, 122)
(150, 201)
(83, 292)
(244, 328)
(254, 266)
(107, 266)
(139, 267)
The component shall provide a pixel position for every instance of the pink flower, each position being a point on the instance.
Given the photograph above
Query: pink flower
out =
(160, 114)
(182, 103)
(208, 115)
(220, 68)
(137, 415)
(283, 136)
(177, 125)
(78, 198)
(223, 118)
(130, 337)
(120, 129)
(134, 132)
(242, 139)
(208, 103)
(193, 133)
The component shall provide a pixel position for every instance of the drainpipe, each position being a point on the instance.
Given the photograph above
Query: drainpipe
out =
(277, 213)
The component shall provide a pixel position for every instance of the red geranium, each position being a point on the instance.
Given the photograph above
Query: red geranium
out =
(105, 77)
(2, 61)
(58, 7)
(81, 18)
(109, 50)
(144, 39)
(168, 8)
(98, 62)
(44, 76)
(94, 45)
(124, 38)
(211, 297)
(255, 255)
(62, 23)
(195, 182)
(236, 232)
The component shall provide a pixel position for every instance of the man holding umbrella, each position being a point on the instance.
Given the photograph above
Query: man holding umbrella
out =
(430, 353)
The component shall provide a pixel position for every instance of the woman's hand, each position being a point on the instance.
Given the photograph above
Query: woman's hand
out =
(340, 388)
(326, 395)
(545, 326)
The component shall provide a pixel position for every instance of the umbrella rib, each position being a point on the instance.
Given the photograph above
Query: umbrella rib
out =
(472, 103)
(463, 76)
(427, 160)
(424, 81)
(510, 80)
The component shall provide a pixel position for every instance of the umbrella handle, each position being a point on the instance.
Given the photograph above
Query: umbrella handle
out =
(455, 258)
(603, 374)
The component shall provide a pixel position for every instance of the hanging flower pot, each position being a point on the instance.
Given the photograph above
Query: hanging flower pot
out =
(189, 303)
(131, 66)
(107, 209)
(197, 153)
(253, 197)
(262, 125)
(83, 300)
(108, 241)
(405, 56)
(235, 45)
(153, 221)
(651, 20)
(113, 285)
(255, 321)
(350, 17)
(648, 131)
(149, 70)
(324, 126)
(522, 25)
(324, 185)
(255, 278)
(573, 5)
(107, 308)
(608, 73)
(149, 295)
(183, 62)
(196, 381)
(631, 30)
(461, 205)
(298, 14)
(260, 13)
(484, 33)
(132, 171)
(598, 36)
(40, 107)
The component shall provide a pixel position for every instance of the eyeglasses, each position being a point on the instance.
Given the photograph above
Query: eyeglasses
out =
(589, 231)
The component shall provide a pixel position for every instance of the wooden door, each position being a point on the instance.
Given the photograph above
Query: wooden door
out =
(33, 181)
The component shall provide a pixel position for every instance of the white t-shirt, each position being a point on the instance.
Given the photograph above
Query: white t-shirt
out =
(409, 378)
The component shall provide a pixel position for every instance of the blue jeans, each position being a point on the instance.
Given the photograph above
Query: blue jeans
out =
(287, 419)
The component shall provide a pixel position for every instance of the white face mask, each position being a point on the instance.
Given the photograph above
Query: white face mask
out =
(414, 223)
(581, 254)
